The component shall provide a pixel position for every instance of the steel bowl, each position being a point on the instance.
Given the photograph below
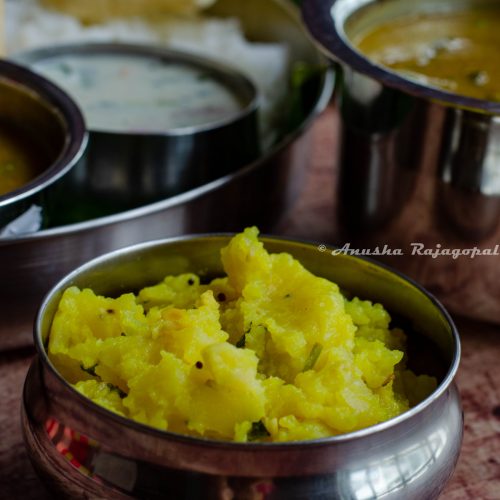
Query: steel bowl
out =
(259, 193)
(52, 121)
(122, 170)
(418, 165)
(82, 450)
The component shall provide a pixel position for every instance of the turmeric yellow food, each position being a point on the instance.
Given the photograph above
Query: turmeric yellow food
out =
(268, 353)
(456, 50)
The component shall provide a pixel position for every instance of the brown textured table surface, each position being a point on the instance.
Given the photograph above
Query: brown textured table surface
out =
(478, 472)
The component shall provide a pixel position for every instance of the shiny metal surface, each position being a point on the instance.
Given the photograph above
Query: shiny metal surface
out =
(125, 170)
(260, 193)
(409, 457)
(37, 107)
(418, 164)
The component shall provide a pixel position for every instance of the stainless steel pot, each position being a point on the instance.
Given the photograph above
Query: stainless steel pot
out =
(259, 193)
(122, 170)
(419, 167)
(50, 120)
(82, 450)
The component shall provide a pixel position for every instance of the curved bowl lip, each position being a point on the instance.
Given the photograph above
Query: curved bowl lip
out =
(321, 103)
(63, 108)
(239, 82)
(225, 237)
(326, 27)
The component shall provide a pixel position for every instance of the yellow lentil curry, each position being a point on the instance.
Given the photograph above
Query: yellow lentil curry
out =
(20, 159)
(269, 353)
(457, 51)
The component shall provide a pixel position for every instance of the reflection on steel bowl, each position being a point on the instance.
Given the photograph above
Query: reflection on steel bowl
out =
(42, 136)
(410, 456)
(418, 164)
(260, 193)
(161, 122)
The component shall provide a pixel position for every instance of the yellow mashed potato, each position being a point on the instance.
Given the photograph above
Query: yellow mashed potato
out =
(268, 353)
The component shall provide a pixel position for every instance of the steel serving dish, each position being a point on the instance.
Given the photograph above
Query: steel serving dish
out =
(37, 107)
(419, 167)
(82, 450)
(108, 179)
(259, 193)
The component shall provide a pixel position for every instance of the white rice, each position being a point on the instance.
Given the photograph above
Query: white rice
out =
(28, 25)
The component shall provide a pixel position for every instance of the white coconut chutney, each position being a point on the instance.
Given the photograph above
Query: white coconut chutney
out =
(124, 93)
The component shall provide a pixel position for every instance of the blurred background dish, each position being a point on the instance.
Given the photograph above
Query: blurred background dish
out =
(259, 193)
(161, 122)
(219, 33)
(138, 89)
(419, 165)
(410, 456)
(99, 10)
(42, 137)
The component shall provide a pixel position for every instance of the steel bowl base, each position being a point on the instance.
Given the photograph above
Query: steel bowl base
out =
(72, 465)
